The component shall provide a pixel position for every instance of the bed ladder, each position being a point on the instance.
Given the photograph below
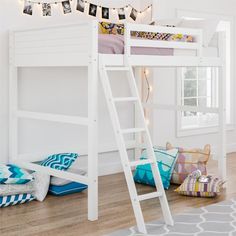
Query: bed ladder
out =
(119, 133)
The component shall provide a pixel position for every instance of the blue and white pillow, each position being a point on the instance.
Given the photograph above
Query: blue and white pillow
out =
(61, 161)
(12, 174)
(15, 199)
(70, 188)
(166, 160)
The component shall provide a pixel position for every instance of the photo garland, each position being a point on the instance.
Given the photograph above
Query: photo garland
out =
(80, 6)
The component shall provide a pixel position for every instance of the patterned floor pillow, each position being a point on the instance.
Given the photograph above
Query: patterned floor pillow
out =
(165, 162)
(61, 161)
(12, 174)
(194, 188)
(188, 161)
(15, 199)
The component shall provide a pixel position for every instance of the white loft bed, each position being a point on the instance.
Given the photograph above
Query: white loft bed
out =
(77, 45)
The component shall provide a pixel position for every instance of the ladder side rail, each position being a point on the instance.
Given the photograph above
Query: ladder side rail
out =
(151, 154)
(123, 153)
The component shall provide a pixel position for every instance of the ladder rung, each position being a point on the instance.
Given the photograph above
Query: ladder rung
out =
(125, 99)
(141, 162)
(117, 68)
(131, 131)
(149, 196)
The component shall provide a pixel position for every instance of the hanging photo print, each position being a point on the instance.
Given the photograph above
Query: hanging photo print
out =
(80, 5)
(105, 13)
(46, 8)
(28, 8)
(121, 14)
(66, 7)
(133, 14)
(93, 9)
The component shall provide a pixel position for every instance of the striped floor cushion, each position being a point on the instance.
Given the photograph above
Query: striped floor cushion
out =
(15, 199)
(194, 188)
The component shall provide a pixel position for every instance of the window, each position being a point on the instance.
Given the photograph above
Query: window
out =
(199, 86)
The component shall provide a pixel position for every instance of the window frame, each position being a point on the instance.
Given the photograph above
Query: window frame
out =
(182, 132)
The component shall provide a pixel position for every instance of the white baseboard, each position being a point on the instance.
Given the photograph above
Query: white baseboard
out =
(231, 148)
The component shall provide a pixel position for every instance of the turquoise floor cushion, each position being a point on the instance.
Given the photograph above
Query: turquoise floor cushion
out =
(166, 160)
(66, 189)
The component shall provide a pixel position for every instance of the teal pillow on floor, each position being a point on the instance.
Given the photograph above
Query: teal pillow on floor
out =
(66, 189)
(61, 161)
(166, 160)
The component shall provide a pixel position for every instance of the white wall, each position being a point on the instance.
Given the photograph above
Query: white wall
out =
(42, 89)
(36, 94)
(165, 125)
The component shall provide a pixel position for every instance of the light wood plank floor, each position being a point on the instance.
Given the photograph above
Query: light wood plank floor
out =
(68, 215)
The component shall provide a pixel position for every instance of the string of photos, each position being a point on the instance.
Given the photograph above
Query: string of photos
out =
(81, 6)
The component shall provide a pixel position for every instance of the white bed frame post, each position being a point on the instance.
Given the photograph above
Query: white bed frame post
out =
(13, 103)
(222, 108)
(92, 127)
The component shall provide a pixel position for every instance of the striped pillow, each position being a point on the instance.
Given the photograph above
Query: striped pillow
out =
(15, 199)
(192, 187)
(61, 161)
(165, 162)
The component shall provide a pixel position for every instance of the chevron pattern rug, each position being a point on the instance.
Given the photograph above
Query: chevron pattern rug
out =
(214, 220)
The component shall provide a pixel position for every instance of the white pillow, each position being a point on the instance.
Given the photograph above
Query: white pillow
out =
(60, 182)
(41, 185)
(208, 26)
(14, 189)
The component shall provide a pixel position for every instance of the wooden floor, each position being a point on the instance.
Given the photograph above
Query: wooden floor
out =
(68, 215)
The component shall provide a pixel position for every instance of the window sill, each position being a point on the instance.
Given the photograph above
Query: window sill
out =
(201, 130)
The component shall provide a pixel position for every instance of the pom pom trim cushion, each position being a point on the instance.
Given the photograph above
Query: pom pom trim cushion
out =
(12, 174)
(165, 162)
(61, 161)
(188, 161)
(70, 188)
(11, 200)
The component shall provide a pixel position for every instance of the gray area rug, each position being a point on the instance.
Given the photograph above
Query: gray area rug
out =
(214, 220)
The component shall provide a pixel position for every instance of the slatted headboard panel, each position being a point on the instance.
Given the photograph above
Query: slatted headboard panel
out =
(54, 46)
